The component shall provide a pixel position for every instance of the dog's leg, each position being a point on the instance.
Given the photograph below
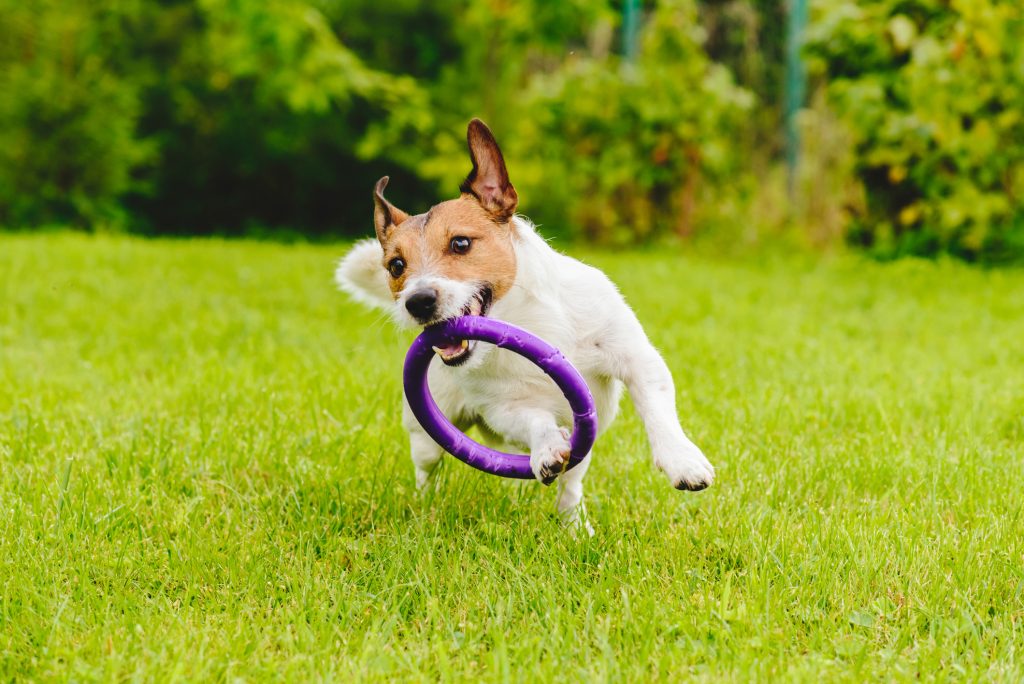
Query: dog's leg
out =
(638, 364)
(549, 451)
(426, 454)
(549, 444)
(570, 500)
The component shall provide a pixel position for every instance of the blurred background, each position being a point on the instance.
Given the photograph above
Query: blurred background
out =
(894, 126)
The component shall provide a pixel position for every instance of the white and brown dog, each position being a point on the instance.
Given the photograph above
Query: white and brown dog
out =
(474, 256)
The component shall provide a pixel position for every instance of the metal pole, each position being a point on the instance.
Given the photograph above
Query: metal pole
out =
(796, 86)
(630, 26)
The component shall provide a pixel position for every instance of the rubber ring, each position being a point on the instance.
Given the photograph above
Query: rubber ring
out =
(505, 336)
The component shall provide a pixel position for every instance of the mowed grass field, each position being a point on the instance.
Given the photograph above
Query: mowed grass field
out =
(203, 477)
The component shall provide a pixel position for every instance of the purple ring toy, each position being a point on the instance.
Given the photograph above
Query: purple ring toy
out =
(505, 336)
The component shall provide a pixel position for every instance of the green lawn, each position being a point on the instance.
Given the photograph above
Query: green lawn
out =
(203, 476)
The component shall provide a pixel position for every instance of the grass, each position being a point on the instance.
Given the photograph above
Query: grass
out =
(203, 476)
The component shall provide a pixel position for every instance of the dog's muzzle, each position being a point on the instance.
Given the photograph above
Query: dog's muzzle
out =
(458, 352)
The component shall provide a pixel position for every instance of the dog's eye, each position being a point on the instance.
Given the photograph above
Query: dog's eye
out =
(460, 244)
(396, 267)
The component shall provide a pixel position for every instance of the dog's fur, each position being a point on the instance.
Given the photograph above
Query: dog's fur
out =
(509, 272)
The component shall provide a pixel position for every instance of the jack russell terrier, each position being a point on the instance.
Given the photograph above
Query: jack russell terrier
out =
(473, 256)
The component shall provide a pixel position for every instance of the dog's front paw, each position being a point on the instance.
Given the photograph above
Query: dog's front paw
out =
(549, 458)
(687, 468)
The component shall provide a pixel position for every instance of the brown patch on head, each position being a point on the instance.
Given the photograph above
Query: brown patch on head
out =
(415, 245)
(424, 244)
(490, 259)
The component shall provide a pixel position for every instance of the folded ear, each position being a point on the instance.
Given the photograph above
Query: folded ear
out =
(488, 181)
(385, 215)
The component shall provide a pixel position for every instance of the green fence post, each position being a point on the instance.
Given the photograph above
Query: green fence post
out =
(796, 86)
(630, 26)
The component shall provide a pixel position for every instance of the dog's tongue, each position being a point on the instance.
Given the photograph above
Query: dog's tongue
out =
(451, 349)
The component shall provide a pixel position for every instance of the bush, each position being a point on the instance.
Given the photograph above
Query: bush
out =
(191, 117)
(624, 152)
(933, 93)
(68, 148)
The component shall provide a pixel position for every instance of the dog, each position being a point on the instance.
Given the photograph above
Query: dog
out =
(474, 256)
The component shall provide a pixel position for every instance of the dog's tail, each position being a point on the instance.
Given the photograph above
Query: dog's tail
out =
(361, 274)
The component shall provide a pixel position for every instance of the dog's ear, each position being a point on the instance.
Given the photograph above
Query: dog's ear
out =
(385, 215)
(488, 181)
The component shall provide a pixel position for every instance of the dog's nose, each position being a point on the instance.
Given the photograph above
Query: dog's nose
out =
(422, 304)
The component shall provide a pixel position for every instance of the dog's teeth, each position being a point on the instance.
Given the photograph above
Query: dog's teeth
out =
(445, 354)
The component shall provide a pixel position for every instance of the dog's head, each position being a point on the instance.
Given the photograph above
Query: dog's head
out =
(456, 259)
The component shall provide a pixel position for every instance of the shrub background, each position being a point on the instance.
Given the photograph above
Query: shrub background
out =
(225, 117)
(933, 93)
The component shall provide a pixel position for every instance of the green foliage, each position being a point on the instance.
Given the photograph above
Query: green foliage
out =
(933, 93)
(205, 478)
(625, 151)
(600, 148)
(195, 116)
(260, 113)
(749, 38)
(223, 116)
(218, 115)
(68, 142)
(497, 49)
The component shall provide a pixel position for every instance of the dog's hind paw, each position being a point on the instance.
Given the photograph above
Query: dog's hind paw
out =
(577, 524)
(549, 459)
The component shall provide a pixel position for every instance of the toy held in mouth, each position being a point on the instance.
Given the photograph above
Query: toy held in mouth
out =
(455, 333)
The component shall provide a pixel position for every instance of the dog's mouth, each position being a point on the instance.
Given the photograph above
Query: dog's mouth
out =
(459, 351)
